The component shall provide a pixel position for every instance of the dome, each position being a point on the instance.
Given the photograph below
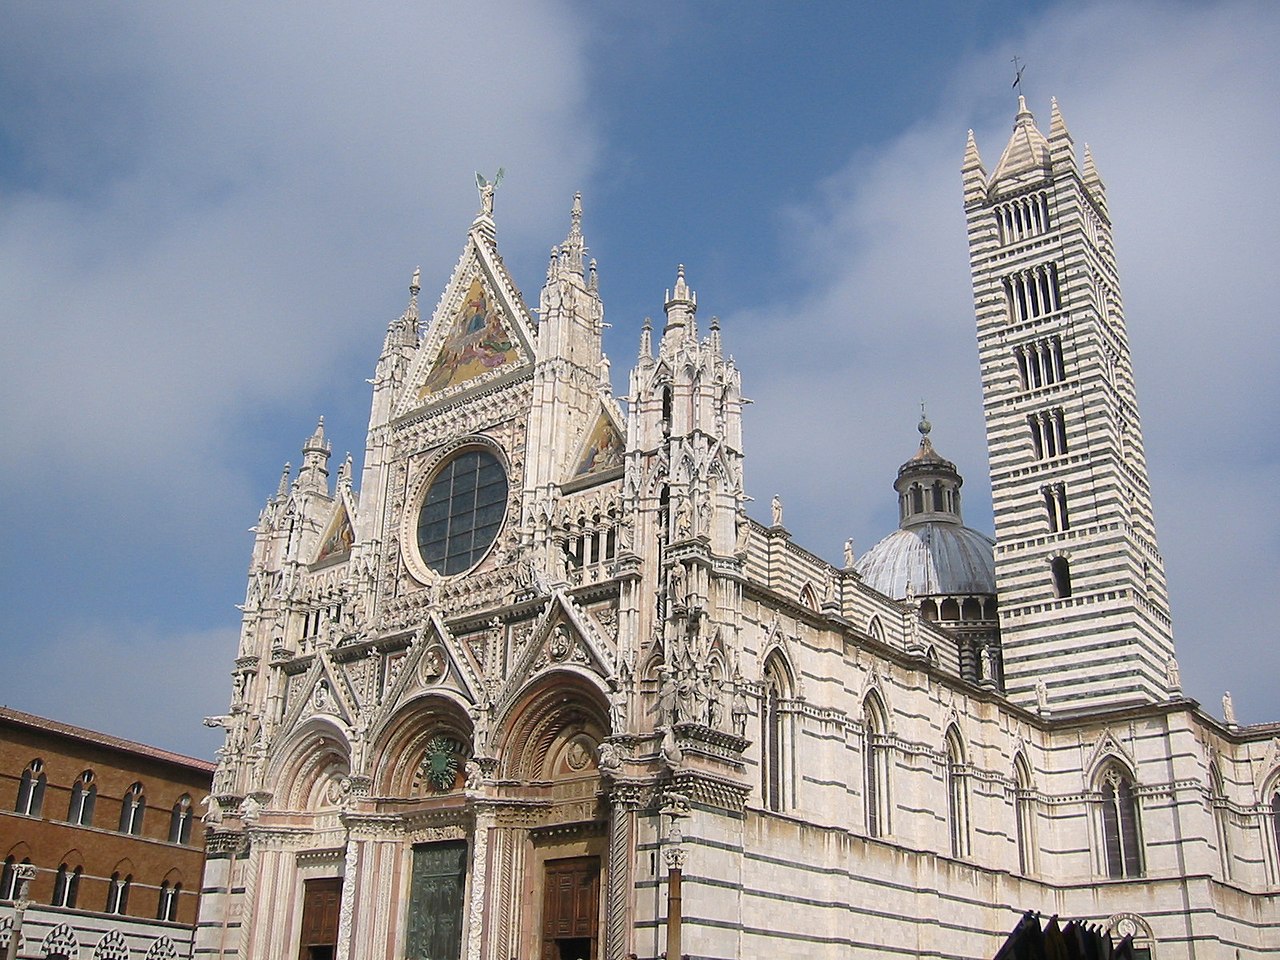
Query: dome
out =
(936, 557)
(932, 550)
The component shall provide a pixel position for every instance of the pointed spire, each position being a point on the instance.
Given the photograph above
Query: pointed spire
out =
(1061, 147)
(1057, 126)
(574, 247)
(314, 473)
(646, 339)
(593, 278)
(715, 336)
(972, 172)
(415, 287)
(681, 305)
(344, 472)
(1093, 180)
(283, 488)
(1027, 151)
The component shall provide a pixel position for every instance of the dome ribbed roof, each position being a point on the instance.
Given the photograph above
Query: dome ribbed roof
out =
(934, 557)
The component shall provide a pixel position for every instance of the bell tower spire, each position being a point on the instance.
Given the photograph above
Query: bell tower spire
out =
(1083, 604)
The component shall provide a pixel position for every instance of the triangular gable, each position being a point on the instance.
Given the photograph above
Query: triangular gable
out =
(1108, 745)
(601, 450)
(565, 634)
(339, 535)
(480, 331)
(434, 659)
(334, 699)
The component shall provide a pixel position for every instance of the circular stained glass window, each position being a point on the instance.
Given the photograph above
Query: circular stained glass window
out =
(462, 512)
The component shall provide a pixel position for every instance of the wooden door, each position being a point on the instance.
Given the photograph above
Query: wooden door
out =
(571, 909)
(435, 901)
(320, 899)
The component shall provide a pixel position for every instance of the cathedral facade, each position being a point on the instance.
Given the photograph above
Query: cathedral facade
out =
(536, 686)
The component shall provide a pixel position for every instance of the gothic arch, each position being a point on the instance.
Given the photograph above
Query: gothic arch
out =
(292, 771)
(875, 628)
(398, 749)
(561, 707)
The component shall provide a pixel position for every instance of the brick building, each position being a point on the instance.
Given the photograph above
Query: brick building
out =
(114, 832)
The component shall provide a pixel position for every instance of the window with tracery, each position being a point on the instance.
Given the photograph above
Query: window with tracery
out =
(875, 769)
(84, 793)
(1121, 830)
(132, 808)
(66, 886)
(31, 789)
(180, 820)
(957, 797)
(773, 739)
(118, 893)
(1023, 816)
(167, 908)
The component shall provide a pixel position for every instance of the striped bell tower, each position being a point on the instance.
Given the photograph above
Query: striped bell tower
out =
(1084, 610)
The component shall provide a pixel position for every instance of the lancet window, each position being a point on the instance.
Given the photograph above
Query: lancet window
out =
(31, 789)
(875, 768)
(84, 794)
(132, 808)
(180, 820)
(1121, 830)
(1033, 292)
(1048, 433)
(957, 796)
(167, 908)
(66, 886)
(118, 893)
(1022, 218)
(1023, 816)
(1040, 362)
(1055, 505)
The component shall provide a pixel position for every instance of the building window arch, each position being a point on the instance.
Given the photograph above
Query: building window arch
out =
(1024, 815)
(132, 808)
(1121, 828)
(1222, 826)
(66, 886)
(875, 767)
(774, 735)
(875, 629)
(84, 793)
(180, 820)
(1274, 809)
(31, 789)
(1060, 570)
(957, 794)
(118, 893)
(167, 907)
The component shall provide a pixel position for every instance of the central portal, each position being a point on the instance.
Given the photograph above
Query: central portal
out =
(571, 909)
(435, 901)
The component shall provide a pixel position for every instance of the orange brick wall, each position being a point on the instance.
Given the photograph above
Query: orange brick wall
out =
(100, 849)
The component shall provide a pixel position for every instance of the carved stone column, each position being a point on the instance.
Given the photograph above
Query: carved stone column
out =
(622, 819)
(347, 905)
(484, 822)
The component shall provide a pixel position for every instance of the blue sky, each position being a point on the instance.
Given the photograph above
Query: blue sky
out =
(208, 214)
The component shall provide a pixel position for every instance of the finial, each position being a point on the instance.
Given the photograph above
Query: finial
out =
(576, 211)
(593, 279)
(924, 426)
(283, 488)
(414, 285)
(319, 434)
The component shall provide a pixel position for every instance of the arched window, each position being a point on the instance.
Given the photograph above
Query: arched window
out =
(773, 736)
(1121, 831)
(167, 908)
(66, 886)
(1060, 568)
(875, 768)
(118, 893)
(957, 796)
(875, 629)
(31, 789)
(1023, 816)
(180, 820)
(1218, 797)
(132, 808)
(8, 879)
(83, 795)
(1275, 823)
